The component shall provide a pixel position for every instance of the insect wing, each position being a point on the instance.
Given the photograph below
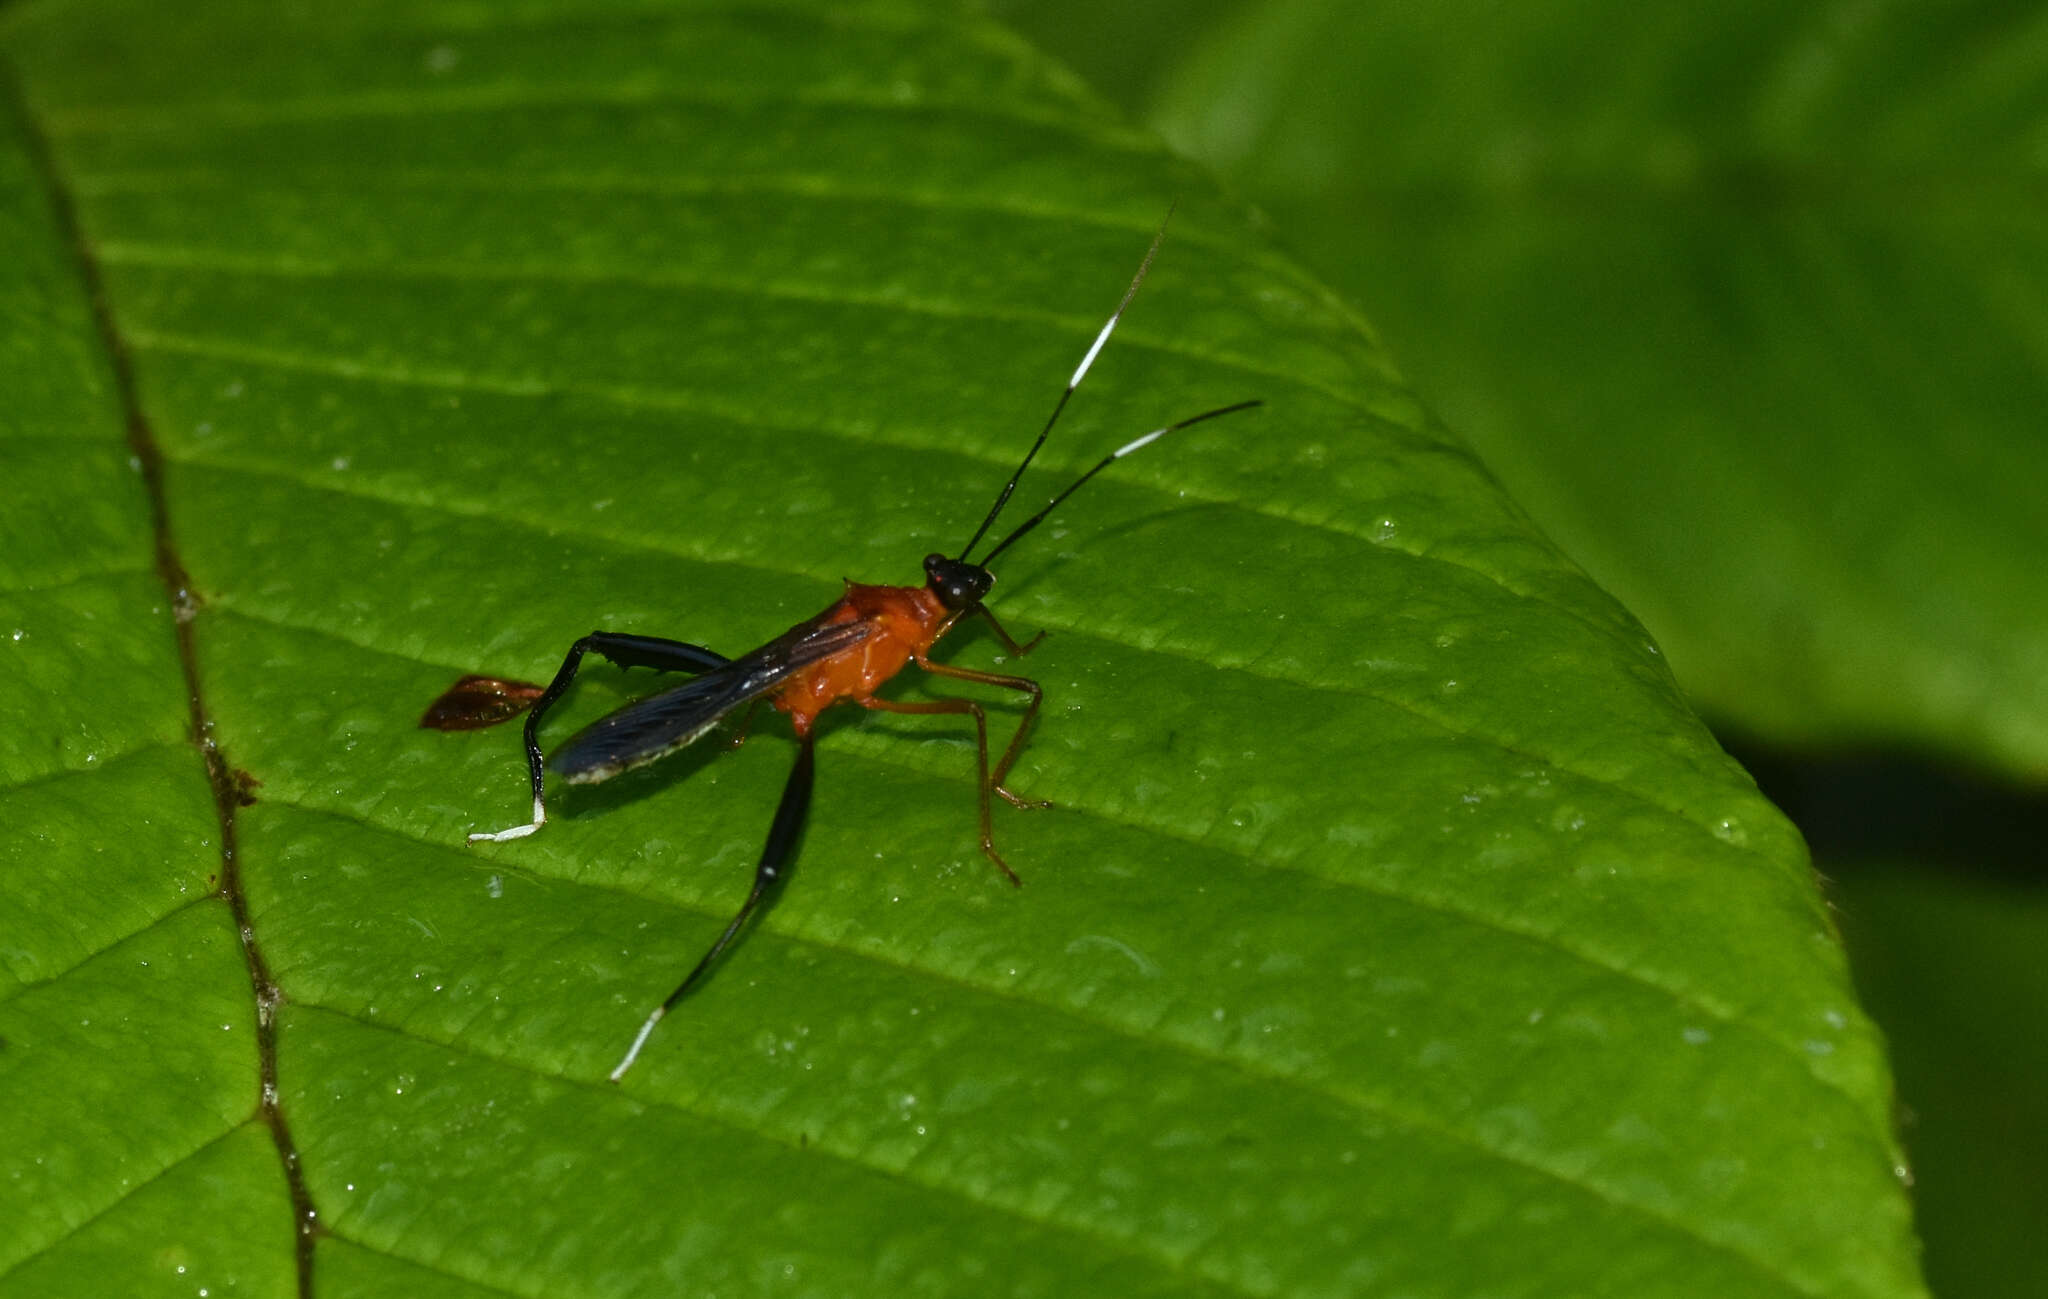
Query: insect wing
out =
(660, 724)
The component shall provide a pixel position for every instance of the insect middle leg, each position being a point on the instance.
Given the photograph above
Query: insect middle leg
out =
(628, 651)
(983, 782)
(1016, 745)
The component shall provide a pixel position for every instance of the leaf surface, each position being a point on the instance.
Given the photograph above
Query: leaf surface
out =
(1950, 965)
(1396, 928)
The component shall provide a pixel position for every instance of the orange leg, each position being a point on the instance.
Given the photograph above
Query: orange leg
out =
(984, 784)
(1016, 745)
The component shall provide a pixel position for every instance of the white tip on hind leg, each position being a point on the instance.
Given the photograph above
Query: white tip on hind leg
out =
(540, 817)
(633, 1051)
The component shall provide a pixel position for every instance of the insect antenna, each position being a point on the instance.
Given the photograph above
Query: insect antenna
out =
(1080, 372)
(1103, 464)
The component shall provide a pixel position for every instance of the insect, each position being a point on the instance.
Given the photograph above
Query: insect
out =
(847, 652)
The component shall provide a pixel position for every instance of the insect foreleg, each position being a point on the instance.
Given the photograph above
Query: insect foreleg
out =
(627, 651)
(1009, 641)
(782, 836)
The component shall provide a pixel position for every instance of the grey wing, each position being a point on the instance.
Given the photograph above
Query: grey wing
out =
(658, 725)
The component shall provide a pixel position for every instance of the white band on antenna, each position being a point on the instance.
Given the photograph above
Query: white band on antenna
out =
(1089, 359)
(1147, 440)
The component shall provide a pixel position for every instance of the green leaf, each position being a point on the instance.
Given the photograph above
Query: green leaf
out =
(1971, 1040)
(1396, 929)
(1739, 302)
(1799, 252)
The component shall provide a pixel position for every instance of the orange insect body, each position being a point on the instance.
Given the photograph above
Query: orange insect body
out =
(904, 621)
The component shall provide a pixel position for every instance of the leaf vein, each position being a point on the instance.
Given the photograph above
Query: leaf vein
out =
(1421, 901)
(128, 1192)
(161, 119)
(143, 340)
(1340, 685)
(1129, 1247)
(252, 267)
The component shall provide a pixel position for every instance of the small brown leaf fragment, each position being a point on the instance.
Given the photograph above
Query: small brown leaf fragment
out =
(246, 786)
(478, 701)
